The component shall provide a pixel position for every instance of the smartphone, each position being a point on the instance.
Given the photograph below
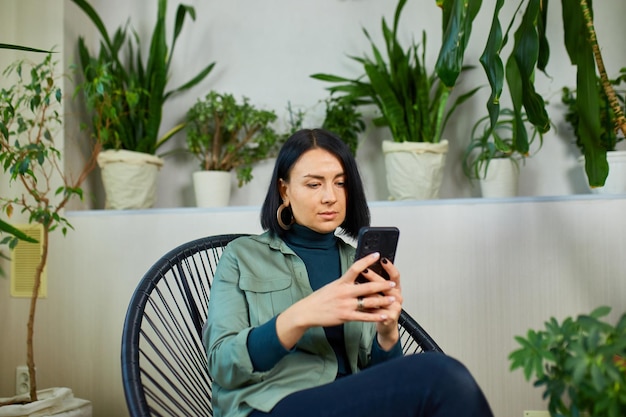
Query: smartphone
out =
(377, 239)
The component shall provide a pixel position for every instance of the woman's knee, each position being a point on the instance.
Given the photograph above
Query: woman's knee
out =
(441, 369)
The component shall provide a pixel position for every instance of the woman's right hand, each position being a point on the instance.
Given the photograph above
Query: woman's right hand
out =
(335, 303)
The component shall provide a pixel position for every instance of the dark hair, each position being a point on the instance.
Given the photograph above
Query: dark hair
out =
(357, 211)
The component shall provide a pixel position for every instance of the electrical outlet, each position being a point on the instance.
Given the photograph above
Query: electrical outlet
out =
(536, 414)
(22, 380)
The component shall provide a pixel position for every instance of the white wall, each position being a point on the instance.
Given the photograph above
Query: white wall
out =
(266, 50)
(475, 272)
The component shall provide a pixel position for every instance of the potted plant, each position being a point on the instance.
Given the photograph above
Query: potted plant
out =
(342, 117)
(14, 235)
(492, 157)
(125, 97)
(30, 118)
(529, 53)
(579, 362)
(413, 104)
(609, 136)
(226, 135)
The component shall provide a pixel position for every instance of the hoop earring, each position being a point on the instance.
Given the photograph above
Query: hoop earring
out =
(279, 217)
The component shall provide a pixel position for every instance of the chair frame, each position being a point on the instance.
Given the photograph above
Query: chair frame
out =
(150, 320)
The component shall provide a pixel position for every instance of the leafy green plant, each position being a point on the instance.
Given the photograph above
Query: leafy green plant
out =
(125, 95)
(489, 143)
(579, 362)
(609, 137)
(225, 135)
(343, 118)
(295, 120)
(15, 235)
(413, 103)
(530, 52)
(29, 121)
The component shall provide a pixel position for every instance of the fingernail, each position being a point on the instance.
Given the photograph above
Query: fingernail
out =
(384, 260)
(375, 255)
(383, 317)
(391, 299)
(392, 284)
(365, 271)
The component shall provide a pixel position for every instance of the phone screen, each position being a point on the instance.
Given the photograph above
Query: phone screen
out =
(377, 239)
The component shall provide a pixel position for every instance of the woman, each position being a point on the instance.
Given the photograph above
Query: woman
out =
(290, 334)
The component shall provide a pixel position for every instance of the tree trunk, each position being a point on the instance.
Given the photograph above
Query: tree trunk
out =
(620, 120)
(30, 355)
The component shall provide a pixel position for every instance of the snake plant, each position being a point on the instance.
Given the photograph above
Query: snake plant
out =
(125, 94)
(413, 101)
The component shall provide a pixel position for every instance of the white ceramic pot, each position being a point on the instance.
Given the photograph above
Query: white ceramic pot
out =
(212, 188)
(501, 180)
(129, 178)
(53, 402)
(414, 169)
(616, 180)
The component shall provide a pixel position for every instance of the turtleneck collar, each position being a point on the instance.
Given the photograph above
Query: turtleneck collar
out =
(302, 236)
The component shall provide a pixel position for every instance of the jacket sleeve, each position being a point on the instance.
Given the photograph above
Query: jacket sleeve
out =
(379, 355)
(264, 347)
(226, 330)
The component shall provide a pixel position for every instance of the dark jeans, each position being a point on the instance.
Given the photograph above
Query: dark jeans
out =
(422, 385)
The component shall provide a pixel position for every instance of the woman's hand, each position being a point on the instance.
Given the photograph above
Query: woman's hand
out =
(338, 302)
(387, 329)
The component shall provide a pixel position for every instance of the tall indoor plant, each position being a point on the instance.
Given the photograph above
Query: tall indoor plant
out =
(413, 104)
(226, 135)
(530, 52)
(126, 95)
(14, 235)
(30, 119)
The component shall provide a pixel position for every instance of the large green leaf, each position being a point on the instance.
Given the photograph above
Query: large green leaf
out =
(492, 64)
(526, 53)
(513, 78)
(8, 228)
(22, 48)
(457, 19)
(589, 128)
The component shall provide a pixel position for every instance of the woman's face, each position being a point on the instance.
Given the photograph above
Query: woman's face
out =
(316, 192)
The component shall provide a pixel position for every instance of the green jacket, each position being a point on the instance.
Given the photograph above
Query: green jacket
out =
(257, 278)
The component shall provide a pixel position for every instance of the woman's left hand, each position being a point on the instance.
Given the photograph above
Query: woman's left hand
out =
(387, 329)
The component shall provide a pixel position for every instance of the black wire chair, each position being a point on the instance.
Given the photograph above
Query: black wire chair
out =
(164, 364)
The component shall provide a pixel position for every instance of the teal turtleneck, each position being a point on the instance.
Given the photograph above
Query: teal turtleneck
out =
(318, 251)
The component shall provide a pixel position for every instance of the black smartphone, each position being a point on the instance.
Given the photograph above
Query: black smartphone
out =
(377, 239)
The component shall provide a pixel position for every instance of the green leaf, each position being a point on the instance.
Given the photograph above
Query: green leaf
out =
(8, 228)
(23, 48)
(601, 311)
(457, 20)
(526, 53)
(492, 64)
